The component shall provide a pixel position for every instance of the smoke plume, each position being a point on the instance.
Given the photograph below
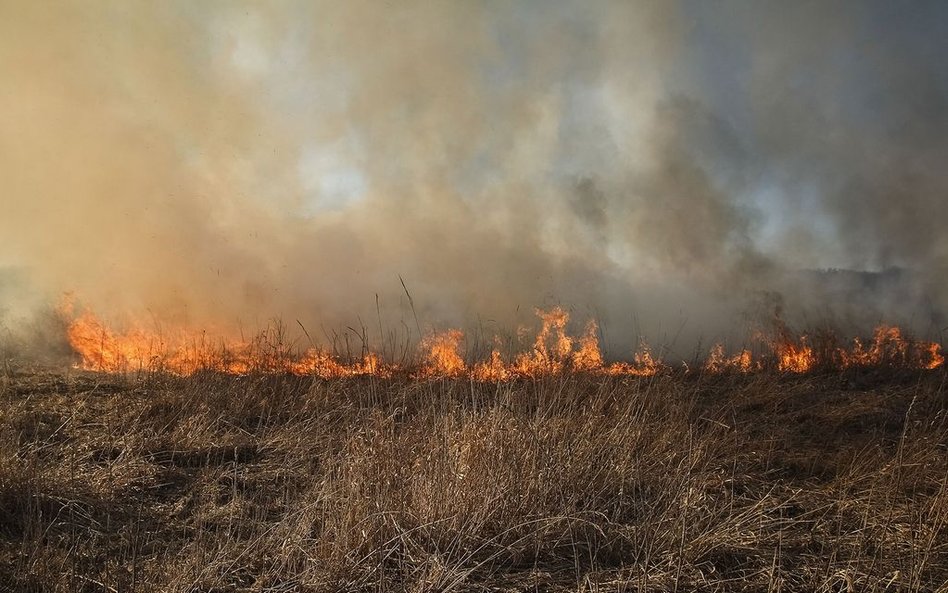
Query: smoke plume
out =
(668, 168)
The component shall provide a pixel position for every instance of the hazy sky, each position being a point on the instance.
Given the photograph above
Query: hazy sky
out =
(225, 162)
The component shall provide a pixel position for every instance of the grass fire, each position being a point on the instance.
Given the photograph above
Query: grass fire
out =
(183, 462)
(553, 351)
(333, 476)
(470, 297)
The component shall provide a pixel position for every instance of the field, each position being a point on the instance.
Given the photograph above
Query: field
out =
(764, 481)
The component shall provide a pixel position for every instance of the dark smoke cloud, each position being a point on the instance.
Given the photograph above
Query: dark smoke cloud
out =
(849, 109)
(661, 166)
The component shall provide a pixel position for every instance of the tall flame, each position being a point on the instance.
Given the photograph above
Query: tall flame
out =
(443, 358)
(552, 347)
(588, 357)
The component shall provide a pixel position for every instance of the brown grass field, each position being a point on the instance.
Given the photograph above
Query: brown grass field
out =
(677, 482)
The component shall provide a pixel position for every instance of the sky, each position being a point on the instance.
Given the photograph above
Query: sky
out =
(658, 165)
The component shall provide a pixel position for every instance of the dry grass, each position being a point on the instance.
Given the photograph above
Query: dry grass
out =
(672, 483)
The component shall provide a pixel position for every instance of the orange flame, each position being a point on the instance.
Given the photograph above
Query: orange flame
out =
(442, 358)
(322, 364)
(103, 350)
(719, 362)
(588, 357)
(935, 358)
(492, 370)
(643, 364)
(890, 347)
(553, 351)
(552, 346)
(795, 356)
(183, 353)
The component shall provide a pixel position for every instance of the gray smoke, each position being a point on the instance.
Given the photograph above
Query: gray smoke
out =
(664, 167)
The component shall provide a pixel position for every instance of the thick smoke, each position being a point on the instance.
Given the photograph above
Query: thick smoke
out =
(663, 167)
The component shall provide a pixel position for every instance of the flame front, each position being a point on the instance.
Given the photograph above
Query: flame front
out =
(553, 351)
(889, 347)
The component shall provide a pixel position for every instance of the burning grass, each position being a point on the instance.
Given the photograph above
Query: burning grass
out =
(440, 355)
(560, 482)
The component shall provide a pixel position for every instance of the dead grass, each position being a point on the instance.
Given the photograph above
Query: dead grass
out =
(671, 483)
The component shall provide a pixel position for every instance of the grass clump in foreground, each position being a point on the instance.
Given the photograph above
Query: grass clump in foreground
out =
(759, 482)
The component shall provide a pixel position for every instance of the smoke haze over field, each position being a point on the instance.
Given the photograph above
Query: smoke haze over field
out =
(663, 166)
